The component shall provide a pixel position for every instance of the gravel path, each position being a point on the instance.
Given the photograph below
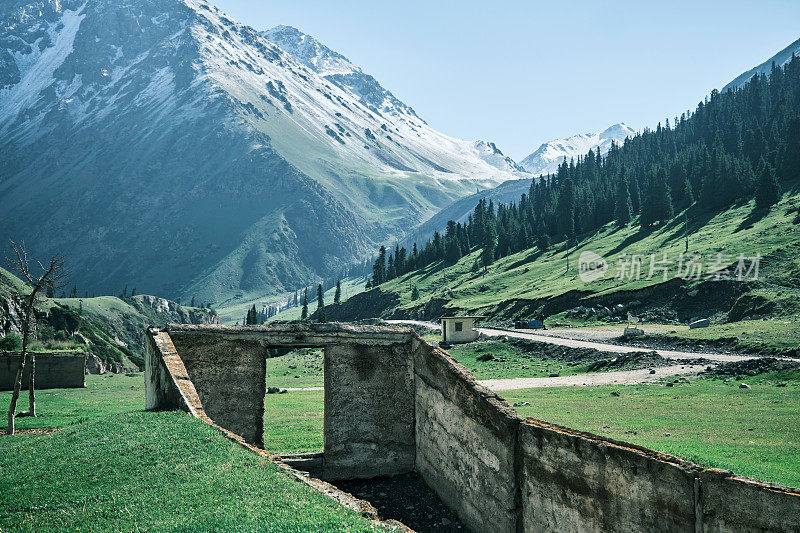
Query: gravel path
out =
(576, 343)
(621, 377)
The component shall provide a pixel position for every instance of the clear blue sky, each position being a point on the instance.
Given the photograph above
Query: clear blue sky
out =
(520, 73)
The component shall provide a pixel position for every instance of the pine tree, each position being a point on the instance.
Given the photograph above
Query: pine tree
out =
(688, 192)
(622, 202)
(452, 250)
(768, 191)
(565, 210)
(192, 303)
(337, 296)
(414, 293)
(379, 268)
(304, 313)
(543, 242)
(320, 304)
(489, 246)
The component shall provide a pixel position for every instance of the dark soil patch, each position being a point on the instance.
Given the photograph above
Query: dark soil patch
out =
(407, 499)
(599, 360)
(754, 367)
(36, 431)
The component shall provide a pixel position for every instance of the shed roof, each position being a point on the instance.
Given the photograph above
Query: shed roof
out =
(462, 317)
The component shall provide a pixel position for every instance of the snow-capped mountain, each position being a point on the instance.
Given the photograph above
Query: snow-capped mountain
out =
(337, 69)
(547, 157)
(166, 145)
(780, 59)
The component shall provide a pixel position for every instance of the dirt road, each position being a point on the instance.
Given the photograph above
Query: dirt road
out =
(576, 343)
(622, 377)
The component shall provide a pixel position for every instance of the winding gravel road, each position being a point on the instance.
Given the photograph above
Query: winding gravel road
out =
(624, 377)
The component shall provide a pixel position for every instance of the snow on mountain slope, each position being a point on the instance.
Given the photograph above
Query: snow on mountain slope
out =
(547, 157)
(199, 158)
(780, 59)
(337, 69)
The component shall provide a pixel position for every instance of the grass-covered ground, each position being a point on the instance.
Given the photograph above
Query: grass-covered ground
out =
(299, 368)
(497, 359)
(293, 422)
(114, 467)
(533, 274)
(753, 432)
(776, 336)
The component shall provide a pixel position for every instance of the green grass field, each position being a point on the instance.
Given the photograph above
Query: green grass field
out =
(114, 467)
(299, 368)
(753, 432)
(496, 359)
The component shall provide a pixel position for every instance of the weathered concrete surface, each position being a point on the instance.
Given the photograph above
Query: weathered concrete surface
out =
(572, 481)
(162, 368)
(369, 410)
(229, 374)
(465, 442)
(732, 503)
(53, 370)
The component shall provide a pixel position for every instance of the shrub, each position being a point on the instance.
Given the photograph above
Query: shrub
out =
(11, 343)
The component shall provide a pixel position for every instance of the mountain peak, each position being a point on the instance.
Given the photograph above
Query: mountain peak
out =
(337, 69)
(548, 156)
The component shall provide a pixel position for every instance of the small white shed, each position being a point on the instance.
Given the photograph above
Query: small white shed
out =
(456, 329)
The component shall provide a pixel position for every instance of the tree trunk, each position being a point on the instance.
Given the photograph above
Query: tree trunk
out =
(15, 395)
(26, 328)
(32, 387)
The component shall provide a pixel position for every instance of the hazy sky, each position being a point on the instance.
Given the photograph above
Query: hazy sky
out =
(520, 73)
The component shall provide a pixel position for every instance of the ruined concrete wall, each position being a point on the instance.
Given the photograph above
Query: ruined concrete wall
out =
(572, 482)
(466, 439)
(160, 390)
(53, 371)
(394, 403)
(734, 504)
(229, 375)
(369, 410)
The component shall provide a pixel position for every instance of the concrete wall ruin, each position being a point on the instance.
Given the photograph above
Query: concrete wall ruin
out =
(53, 370)
(395, 404)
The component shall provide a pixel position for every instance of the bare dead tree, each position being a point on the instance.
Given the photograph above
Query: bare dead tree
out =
(54, 275)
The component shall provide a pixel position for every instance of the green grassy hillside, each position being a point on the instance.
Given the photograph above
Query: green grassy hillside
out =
(112, 328)
(534, 281)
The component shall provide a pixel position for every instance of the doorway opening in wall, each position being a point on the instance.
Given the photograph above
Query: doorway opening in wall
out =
(294, 409)
(294, 405)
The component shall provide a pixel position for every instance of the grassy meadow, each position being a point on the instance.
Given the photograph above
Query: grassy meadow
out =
(114, 467)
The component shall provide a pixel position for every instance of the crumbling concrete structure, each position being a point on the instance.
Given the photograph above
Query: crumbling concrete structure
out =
(54, 370)
(395, 404)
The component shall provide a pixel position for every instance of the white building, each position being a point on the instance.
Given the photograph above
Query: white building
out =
(456, 329)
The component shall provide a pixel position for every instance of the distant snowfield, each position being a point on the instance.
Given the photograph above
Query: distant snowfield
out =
(547, 157)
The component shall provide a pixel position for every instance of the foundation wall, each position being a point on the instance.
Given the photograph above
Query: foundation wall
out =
(465, 442)
(229, 375)
(369, 410)
(53, 371)
(394, 403)
(574, 483)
